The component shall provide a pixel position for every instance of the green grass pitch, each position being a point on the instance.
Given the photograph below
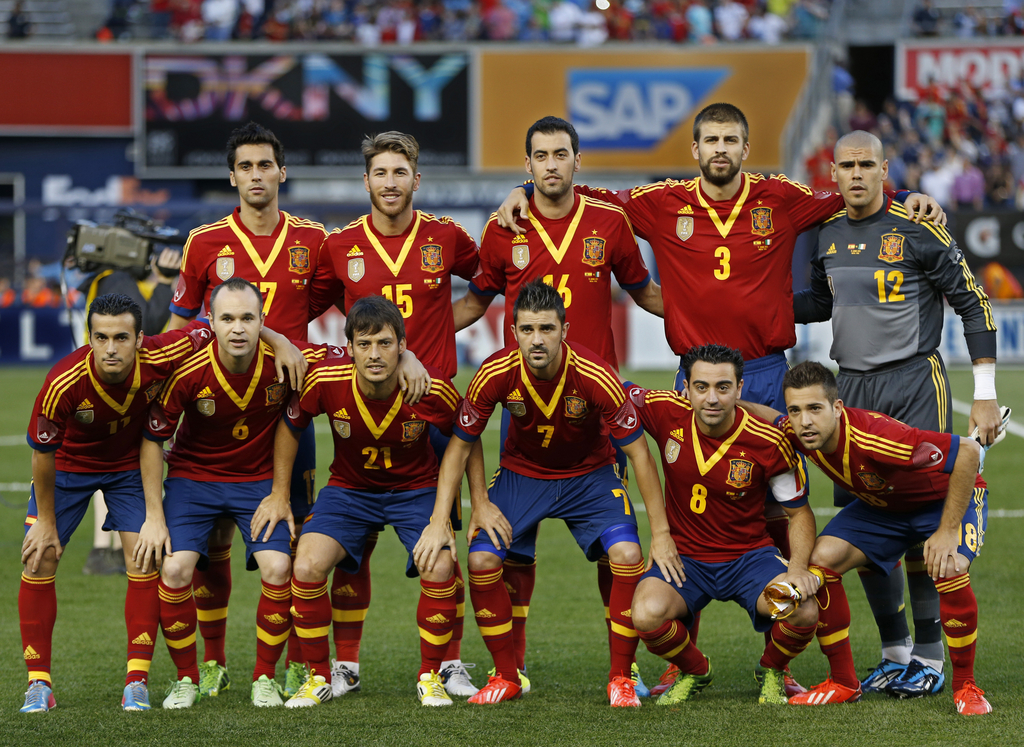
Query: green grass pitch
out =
(567, 647)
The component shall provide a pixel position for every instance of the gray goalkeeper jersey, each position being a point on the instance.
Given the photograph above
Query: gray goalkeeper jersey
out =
(881, 280)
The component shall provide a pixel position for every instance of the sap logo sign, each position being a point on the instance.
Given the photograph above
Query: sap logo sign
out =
(635, 108)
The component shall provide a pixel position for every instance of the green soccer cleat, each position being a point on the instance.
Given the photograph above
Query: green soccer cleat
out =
(266, 693)
(294, 678)
(773, 687)
(182, 694)
(686, 686)
(213, 679)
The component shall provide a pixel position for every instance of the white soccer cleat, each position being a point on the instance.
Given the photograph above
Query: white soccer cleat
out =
(457, 680)
(314, 691)
(183, 694)
(343, 679)
(431, 690)
(266, 693)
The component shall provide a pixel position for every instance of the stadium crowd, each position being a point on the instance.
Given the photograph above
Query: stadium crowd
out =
(969, 19)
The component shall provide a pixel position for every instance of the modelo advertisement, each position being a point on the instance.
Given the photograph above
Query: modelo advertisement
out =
(988, 64)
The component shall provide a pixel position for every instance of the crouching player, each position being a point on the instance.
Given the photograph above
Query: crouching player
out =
(384, 472)
(719, 462)
(912, 486)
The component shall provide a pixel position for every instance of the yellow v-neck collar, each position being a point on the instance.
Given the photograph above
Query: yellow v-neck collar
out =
(846, 476)
(243, 401)
(120, 409)
(559, 252)
(703, 465)
(725, 228)
(282, 233)
(376, 430)
(394, 266)
(547, 408)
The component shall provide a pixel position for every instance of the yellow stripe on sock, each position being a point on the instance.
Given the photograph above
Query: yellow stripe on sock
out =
(623, 630)
(36, 675)
(460, 610)
(966, 640)
(494, 630)
(206, 616)
(183, 643)
(676, 650)
(312, 632)
(139, 665)
(348, 616)
(786, 651)
(522, 611)
(271, 639)
(437, 640)
(828, 640)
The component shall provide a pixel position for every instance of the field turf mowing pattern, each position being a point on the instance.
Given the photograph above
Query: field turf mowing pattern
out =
(567, 652)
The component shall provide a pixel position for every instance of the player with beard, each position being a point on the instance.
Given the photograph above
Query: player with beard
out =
(408, 257)
(727, 234)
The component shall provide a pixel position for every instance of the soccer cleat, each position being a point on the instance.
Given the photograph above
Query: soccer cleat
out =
(773, 687)
(880, 677)
(343, 679)
(213, 678)
(431, 690)
(916, 681)
(182, 694)
(622, 693)
(294, 678)
(970, 701)
(642, 691)
(457, 680)
(265, 693)
(686, 686)
(667, 679)
(828, 691)
(136, 696)
(38, 698)
(497, 690)
(524, 681)
(314, 691)
(792, 686)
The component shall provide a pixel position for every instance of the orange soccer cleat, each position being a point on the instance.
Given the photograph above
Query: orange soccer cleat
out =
(496, 690)
(622, 693)
(828, 691)
(970, 701)
(668, 678)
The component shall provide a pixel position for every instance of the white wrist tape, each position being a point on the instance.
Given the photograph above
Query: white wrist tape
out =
(984, 380)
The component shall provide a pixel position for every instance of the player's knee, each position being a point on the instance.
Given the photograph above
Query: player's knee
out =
(650, 609)
(484, 561)
(625, 553)
(176, 574)
(443, 569)
(806, 614)
(47, 565)
(306, 568)
(275, 568)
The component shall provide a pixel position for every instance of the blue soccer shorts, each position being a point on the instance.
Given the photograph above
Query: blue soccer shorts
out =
(191, 508)
(742, 581)
(590, 505)
(884, 536)
(349, 516)
(122, 491)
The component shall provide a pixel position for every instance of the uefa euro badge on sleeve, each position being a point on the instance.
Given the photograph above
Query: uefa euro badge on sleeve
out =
(520, 252)
(892, 248)
(684, 227)
(225, 267)
(761, 221)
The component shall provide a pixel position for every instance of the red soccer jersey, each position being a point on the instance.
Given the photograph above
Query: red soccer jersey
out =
(228, 433)
(413, 269)
(726, 267)
(886, 463)
(97, 427)
(559, 428)
(577, 255)
(715, 487)
(379, 445)
(280, 265)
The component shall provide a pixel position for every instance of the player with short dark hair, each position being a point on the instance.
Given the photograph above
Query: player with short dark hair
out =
(718, 462)
(253, 133)
(558, 462)
(384, 472)
(84, 432)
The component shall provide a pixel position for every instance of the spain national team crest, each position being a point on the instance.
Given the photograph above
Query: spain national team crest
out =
(871, 480)
(516, 408)
(84, 416)
(431, 259)
(684, 227)
(153, 391)
(593, 251)
(275, 394)
(298, 259)
(521, 255)
(741, 473)
(892, 248)
(206, 407)
(761, 221)
(413, 429)
(225, 267)
(356, 269)
(342, 428)
(575, 407)
(671, 451)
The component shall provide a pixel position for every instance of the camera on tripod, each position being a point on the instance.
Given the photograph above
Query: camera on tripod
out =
(128, 245)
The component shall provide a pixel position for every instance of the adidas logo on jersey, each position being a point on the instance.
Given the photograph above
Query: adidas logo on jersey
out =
(205, 394)
(831, 249)
(519, 239)
(345, 591)
(85, 404)
(437, 619)
(342, 414)
(516, 396)
(143, 640)
(955, 624)
(485, 613)
(275, 619)
(179, 625)
(30, 653)
(679, 434)
(226, 252)
(685, 210)
(355, 251)
(202, 593)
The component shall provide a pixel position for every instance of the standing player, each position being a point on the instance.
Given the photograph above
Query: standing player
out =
(881, 278)
(384, 472)
(222, 464)
(85, 431)
(912, 486)
(408, 257)
(574, 243)
(718, 461)
(728, 234)
(558, 462)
